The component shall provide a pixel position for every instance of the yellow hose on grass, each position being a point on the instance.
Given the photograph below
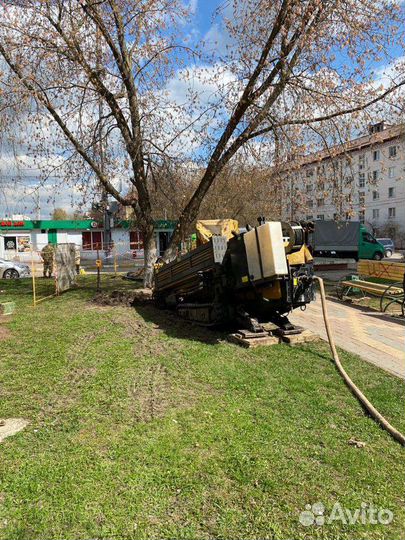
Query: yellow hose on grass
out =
(378, 417)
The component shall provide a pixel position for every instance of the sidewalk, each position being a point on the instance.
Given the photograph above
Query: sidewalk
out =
(369, 334)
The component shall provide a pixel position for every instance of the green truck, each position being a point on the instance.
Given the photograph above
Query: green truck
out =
(348, 239)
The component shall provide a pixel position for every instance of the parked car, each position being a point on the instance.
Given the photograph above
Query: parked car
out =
(388, 244)
(13, 270)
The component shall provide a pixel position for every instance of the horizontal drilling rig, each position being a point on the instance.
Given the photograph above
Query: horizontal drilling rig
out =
(243, 278)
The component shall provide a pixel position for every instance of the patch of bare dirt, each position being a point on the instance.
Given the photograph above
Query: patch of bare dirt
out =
(4, 332)
(77, 376)
(146, 336)
(123, 297)
(155, 390)
(78, 350)
(150, 393)
(152, 319)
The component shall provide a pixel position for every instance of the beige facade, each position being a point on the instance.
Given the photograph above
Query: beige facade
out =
(363, 179)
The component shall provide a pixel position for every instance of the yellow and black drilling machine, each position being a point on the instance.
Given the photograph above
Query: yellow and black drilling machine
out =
(240, 277)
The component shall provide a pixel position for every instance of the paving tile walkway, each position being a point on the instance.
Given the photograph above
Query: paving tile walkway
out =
(366, 333)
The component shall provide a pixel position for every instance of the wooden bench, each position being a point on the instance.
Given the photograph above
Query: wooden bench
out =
(391, 271)
(391, 294)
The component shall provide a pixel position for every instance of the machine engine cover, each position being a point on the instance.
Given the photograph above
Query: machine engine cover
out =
(265, 251)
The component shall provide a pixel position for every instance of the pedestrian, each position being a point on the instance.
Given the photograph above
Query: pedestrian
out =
(47, 254)
(77, 258)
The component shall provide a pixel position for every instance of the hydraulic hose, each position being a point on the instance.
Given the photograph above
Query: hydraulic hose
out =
(378, 417)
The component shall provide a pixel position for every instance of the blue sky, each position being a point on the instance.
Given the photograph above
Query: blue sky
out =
(204, 10)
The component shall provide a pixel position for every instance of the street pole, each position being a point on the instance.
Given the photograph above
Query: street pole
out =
(107, 226)
(98, 264)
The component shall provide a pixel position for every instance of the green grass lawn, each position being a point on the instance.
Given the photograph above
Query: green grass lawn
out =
(141, 426)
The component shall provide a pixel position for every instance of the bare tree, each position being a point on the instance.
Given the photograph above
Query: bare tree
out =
(99, 70)
(285, 55)
(59, 214)
(96, 70)
(242, 190)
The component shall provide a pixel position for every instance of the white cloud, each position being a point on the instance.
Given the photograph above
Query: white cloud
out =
(192, 6)
(391, 73)
(30, 198)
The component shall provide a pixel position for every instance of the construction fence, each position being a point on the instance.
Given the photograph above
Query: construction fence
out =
(55, 269)
(59, 271)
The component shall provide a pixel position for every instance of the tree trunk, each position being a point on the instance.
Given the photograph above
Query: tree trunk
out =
(171, 252)
(150, 256)
(190, 212)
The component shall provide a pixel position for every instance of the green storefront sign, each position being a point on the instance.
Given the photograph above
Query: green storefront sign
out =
(47, 224)
(74, 224)
(160, 224)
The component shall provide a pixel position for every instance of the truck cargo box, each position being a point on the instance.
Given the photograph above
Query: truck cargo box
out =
(339, 236)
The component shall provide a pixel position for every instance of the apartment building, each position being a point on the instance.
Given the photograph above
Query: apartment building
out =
(363, 179)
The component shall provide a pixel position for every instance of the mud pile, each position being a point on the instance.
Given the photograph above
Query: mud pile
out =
(123, 297)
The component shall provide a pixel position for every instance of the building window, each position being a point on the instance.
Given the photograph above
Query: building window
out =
(320, 202)
(321, 186)
(309, 217)
(376, 213)
(23, 244)
(376, 155)
(391, 172)
(86, 240)
(376, 128)
(320, 217)
(391, 192)
(362, 162)
(392, 151)
(362, 179)
(309, 173)
(10, 243)
(135, 240)
(391, 212)
(92, 240)
(361, 216)
(309, 188)
(376, 195)
(362, 198)
(375, 176)
(310, 204)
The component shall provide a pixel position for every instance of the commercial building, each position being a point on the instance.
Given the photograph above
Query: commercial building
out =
(19, 236)
(363, 179)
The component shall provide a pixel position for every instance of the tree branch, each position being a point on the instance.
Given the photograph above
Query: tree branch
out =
(43, 99)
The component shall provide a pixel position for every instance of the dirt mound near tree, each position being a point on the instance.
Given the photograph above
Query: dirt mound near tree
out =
(123, 297)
